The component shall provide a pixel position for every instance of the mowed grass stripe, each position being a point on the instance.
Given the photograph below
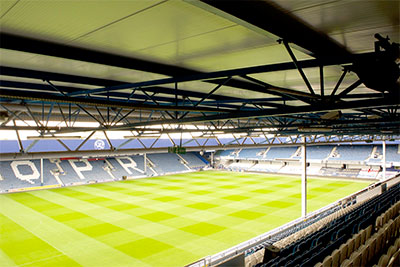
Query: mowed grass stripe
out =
(5, 260)
(140, 247)
(118, 200)
(182, 217)
(152, 211)
(80, 248)
(133, 193)
(28, 249)
(135, 239)
(100, 230)
(99, 199)
(154, 231)
(100, 221)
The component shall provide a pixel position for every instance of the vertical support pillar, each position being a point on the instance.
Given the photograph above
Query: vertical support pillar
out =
(145, 163)
(41, 171)
(384, 160)
(212, 159)
(304, 179)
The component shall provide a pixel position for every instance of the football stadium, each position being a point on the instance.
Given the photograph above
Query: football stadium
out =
(199, 133)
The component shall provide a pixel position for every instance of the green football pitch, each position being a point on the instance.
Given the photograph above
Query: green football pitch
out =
(162, 221)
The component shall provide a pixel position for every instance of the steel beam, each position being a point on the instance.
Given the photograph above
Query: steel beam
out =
(304, 178)
(122, 152)
(30, 45)
(383, 102)
(117, 95)
(339, 82)
(12, 94)
(303, 75)
(25, 44)
(269, 17)
(197, 77)
(349, 89)
(383, 160)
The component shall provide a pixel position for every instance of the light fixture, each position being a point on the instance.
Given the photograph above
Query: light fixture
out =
(53, 137)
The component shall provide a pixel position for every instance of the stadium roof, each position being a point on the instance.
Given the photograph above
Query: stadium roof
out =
(287, 67)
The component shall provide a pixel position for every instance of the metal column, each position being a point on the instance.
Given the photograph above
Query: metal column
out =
(41, 171)
(384, 160)
(145, 163)
(303, 179)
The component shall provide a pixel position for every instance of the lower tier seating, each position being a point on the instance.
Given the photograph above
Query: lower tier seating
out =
(364, 249)
(329, 236)
(17, 175)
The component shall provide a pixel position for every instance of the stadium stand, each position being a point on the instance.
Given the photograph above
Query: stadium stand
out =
(392, 154)
(267, 166)
(166, 163)
(369, 172)
(314, 169)
(24, 174)
(351, 153)
(355, 161)
(252, 153)
(319, 153)
(290, 168)
(367, 251)
(280, 152)
(193, 160)
(125, 166)
(355, 235)
(240, 165)
(225, 153)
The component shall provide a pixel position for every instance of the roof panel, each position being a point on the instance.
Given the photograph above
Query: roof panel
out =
(230, 39)
(67, 20)
(363, 40)
(295, 5)
(346, 18)
(197, 86)
(245, 58)
(74, 67)
(160, 25)
(6, 6)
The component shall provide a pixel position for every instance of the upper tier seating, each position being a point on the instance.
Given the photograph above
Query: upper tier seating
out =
(251, 153)
(351, 153)
(316, 152)
(280, 152)
(225, 153)
(392, 154)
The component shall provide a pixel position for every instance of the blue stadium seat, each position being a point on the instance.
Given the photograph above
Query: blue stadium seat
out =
(193, 160)
(352, 153)
(167, 163)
